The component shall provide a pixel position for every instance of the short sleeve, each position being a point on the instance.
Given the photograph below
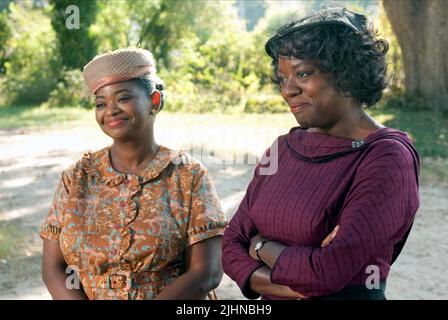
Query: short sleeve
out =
(51, 226)
(206, 216)
(236, 261)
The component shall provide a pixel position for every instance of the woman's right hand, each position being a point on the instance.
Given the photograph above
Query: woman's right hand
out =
(54, 276)
(330, 237)
(260, 280)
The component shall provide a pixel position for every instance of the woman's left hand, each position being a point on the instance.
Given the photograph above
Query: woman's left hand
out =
(253, 242)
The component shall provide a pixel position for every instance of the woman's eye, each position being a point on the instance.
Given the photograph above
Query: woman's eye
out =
(125, 98)
(99, 105)
(302, 75)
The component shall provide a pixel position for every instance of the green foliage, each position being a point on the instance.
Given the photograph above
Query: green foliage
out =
(76, 46)
(165, 24)
(11, 239)
(274, 18)
(113, 27)
(265, 103)
(44, 118)
(400, 99)
(253, 10)
(225, 73)
(434, 171)
(5, 35)
(32, 65)
(205, 55)
(428, 128)
(70, 91)
(394, 56)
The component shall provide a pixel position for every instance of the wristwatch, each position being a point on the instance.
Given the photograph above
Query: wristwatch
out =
(258, 247)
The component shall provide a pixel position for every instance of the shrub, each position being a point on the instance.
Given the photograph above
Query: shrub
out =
(217, 75)
(70, 91)
(32, 65)
(265, 103)
(397, 98)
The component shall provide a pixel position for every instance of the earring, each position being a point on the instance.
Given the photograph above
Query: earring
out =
(156, 98)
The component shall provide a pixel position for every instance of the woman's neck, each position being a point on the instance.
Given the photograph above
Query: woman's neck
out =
(133, 156)
(355, 125)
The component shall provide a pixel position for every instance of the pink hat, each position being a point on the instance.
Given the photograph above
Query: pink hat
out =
(118, 65)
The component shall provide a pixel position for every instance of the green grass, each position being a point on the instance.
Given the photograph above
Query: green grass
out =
(20, 254)
(434, 171)
(428, 129)
(41, 117)
(11, 239)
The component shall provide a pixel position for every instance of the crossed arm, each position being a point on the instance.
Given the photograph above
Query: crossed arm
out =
(260, 280)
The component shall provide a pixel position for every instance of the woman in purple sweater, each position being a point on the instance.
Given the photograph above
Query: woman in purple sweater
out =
(330, 218)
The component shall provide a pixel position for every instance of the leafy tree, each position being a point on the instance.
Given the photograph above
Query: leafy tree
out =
(114, 27)
(32, 65)
(164, 24)
(4, 4)
(251, 11)
(75, 46)
(394, 55)
(5, 35)
(422, 32)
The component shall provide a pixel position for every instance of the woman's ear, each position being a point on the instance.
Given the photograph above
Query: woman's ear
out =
(156, 98)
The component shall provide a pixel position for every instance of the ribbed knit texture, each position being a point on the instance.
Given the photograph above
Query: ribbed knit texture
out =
(372, 194)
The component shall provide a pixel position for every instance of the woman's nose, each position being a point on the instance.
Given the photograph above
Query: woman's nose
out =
(112, 108)
(290, 88)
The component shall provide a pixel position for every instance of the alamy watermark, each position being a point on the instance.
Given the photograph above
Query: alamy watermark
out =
(373, 280)
(72, 21)
(72, 282)
(268, 161)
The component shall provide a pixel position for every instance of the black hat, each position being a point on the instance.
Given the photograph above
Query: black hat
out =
(342, 16)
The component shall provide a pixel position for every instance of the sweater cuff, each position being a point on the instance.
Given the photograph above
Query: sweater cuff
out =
(287, 269)
(246, 290)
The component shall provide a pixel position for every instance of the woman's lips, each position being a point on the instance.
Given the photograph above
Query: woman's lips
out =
(298, 108)
(115, 123)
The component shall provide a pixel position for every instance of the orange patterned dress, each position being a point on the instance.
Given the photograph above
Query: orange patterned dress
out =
(125, 234)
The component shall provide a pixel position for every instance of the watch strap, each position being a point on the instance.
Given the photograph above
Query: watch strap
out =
(258, 247)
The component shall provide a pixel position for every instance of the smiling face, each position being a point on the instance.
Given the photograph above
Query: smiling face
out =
(310, 94)
(122, 111)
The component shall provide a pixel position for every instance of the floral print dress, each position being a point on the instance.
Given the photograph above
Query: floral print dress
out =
(125, 234)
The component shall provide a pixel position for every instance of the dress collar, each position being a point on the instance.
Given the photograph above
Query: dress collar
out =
(314, 145)
(98, 164)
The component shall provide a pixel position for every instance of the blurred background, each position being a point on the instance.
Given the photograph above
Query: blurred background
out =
(221, 106)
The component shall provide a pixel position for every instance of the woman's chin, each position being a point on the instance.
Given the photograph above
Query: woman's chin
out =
(301, 121)
(116, 134)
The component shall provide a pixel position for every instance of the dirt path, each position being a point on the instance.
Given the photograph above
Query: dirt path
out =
(30, 166)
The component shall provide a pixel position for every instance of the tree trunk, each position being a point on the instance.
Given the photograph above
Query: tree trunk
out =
(422, 32)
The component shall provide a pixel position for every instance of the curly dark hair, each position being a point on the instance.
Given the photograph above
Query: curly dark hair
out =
(356, 60)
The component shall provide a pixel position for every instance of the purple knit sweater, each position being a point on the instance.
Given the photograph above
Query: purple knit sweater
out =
(372, 193)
